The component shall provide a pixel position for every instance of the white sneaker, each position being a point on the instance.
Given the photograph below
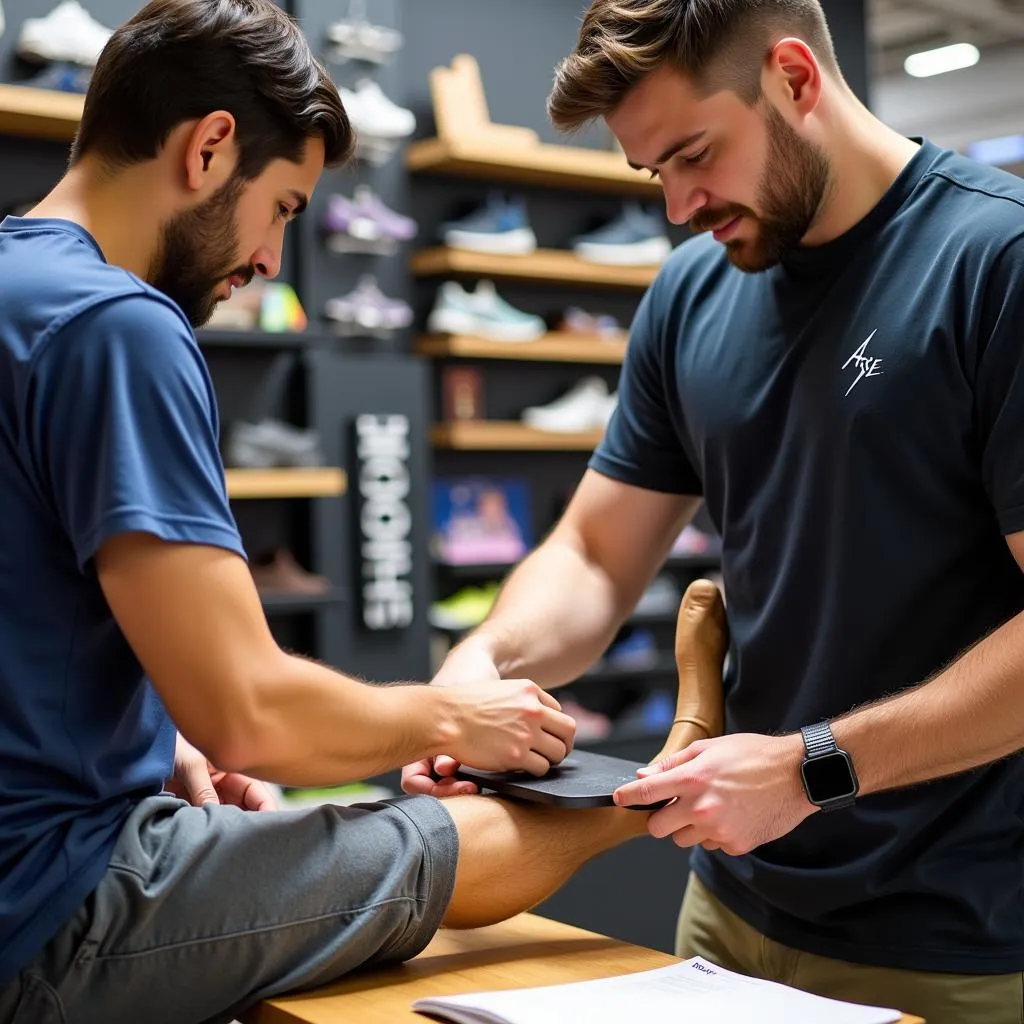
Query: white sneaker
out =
(373, 114)
(482, 313)
(68, 33)
(357, 39)
(586, 406)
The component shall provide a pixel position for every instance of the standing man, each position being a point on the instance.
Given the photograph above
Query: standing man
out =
(134, 653)
(835, 367)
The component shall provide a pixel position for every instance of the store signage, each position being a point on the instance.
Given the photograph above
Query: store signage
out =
(385, 521)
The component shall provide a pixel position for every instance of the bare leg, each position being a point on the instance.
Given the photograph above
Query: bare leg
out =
(513, 855)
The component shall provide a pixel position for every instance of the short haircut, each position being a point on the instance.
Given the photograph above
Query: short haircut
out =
(719, 44)
(179, 60)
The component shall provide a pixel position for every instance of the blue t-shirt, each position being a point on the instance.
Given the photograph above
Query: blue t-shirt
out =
(854, 419)
(108, 424)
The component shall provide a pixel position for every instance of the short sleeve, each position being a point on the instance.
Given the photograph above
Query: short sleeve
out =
(641, 446)
(122, 425)
(999, 388)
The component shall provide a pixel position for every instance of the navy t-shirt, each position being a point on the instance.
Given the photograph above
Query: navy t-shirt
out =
(854, 419)
(108, 424)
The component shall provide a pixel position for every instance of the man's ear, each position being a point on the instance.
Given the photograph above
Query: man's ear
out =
(795, 76)
(211, 152)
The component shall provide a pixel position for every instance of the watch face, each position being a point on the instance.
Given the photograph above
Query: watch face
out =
(829, 778)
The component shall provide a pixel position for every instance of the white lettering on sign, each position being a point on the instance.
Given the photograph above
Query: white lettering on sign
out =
(385, 521)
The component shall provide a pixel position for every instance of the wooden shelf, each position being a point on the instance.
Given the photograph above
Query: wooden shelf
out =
(555, 265)
(496, 435)
(39, 113)
(556, 347)
(543, 164)
(286, 483)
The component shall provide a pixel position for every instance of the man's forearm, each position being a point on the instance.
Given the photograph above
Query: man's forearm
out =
(307, 725)
(556, 615)
(970, 714)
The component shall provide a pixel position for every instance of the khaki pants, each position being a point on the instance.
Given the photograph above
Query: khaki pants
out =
(708, 929)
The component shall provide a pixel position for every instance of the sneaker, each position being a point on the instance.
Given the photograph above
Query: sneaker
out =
(62, 77)
(498, 227)
(696, 542)
(282, 574)
(590, 725)
(270, 306)
(373, 151)
(374, 115)
(650, 716)
(465, 609)
(635, 238)
(357, 39)
(602, 325)
(586, 406)
(271, 444)
(68, 33)
(367, 309)
(364, 223)
(483, 313)
(636, 651)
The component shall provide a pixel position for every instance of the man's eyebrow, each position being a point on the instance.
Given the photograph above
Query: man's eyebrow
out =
(301, 201)
(672, 150)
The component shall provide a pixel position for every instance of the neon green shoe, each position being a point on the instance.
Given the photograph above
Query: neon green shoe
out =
(465, 609)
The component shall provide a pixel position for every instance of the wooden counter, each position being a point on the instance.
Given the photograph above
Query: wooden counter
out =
(522, 953)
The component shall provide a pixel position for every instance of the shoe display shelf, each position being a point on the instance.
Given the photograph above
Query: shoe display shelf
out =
(317, 482)
(544, 265)
(542, 164)
(555, 347)
(39, 113)
(496, 443)
(497, 435)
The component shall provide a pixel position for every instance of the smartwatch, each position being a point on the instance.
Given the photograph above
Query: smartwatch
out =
(827, 772)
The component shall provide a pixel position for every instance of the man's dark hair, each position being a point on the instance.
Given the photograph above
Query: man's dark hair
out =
(179, 60)
(719, 44)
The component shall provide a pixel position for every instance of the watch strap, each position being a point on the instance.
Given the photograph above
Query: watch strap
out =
(818, 739)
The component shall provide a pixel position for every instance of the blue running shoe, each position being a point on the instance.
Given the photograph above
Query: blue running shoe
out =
(62, 77)
(635, 238)
(499, 227)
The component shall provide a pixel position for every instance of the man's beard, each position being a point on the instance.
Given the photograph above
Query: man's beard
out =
(198, 252)
(796, 178)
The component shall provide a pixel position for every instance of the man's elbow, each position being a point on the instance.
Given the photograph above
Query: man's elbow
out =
(236, 728)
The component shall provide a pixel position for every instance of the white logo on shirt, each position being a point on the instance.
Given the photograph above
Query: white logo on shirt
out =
(866, 366)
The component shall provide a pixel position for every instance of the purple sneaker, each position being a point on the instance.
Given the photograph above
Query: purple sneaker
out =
(364, 224)
(367, 310)
(402, 229)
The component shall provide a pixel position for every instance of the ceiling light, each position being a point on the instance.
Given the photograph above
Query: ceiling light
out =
(945, 58)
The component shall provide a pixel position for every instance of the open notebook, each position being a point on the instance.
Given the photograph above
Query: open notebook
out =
(691, 992)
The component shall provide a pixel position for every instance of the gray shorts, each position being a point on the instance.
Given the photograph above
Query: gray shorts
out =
(205, 911)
